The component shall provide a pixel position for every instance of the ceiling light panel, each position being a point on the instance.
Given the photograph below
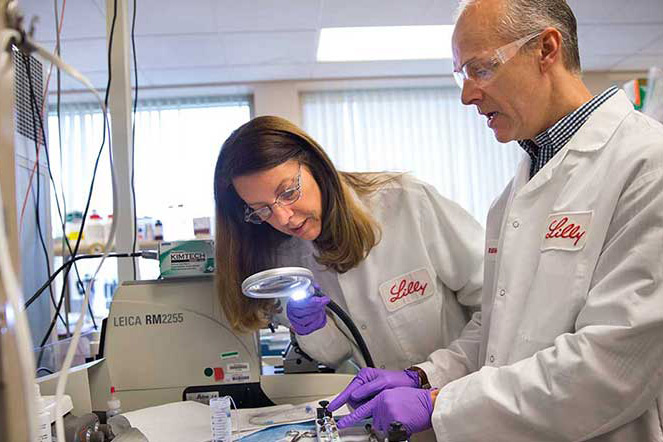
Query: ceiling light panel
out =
(385, 43)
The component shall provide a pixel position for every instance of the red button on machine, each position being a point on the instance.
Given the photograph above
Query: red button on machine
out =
(218, 374)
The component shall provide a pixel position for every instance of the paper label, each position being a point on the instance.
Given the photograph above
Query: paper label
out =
(238, 367)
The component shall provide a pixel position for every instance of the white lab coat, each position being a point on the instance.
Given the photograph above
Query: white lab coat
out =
(569, 343)
(426, 239)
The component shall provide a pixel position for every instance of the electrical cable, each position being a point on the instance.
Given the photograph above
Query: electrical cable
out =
(7, 37)
(347, 320)
(57, 202)
(133, 136)
(33, 106)
(14, 313)
(74, 73)
(34, 169)
(48, 265)
(79, 77)
(78, 240)
(64, 371)
(46, 369)
(33, 110)
(43, 108)
(58, 78)
(61, 213)
(145, 254)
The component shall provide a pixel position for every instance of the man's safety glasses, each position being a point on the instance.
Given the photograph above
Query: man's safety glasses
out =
(482, 71)
(287, 197)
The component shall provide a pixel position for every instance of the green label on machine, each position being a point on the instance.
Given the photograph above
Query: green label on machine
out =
(230, 355)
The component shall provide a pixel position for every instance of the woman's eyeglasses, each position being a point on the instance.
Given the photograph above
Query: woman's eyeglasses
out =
(286, 198)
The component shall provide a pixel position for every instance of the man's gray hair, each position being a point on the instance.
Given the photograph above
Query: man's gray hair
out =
(525, 17)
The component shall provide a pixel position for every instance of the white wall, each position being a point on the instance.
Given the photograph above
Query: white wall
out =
(600, 81)
(281, 98)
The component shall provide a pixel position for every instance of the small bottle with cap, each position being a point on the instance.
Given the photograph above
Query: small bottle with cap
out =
(221, 419)
(43, 418)
(325, 425)
(114, 405)
(158, 231)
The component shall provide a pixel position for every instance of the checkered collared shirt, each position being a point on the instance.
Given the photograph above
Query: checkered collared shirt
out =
(552, 140)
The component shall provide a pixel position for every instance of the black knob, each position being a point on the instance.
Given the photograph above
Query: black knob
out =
(396, 432)
(324, 404)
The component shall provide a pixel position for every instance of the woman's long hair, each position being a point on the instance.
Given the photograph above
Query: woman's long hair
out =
(242, 249)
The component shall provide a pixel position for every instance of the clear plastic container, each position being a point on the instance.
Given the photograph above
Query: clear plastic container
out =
(95, 232)
(221, 420)
(114, 405)
(107, 228)
(73, 226)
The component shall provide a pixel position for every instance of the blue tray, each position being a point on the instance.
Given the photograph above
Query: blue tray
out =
(276, 433)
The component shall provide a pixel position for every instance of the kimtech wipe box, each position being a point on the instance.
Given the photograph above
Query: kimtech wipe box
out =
(186, 258)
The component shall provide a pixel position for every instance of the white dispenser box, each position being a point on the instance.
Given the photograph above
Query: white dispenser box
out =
(186, 258)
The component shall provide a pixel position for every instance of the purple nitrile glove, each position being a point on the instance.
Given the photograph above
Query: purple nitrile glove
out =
(371, 381)
(307, 315)
(413, 407)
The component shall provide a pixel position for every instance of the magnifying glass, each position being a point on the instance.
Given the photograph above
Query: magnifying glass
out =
(296, 283)
(284, 282)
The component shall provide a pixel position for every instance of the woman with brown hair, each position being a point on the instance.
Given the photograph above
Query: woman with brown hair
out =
(401, 260)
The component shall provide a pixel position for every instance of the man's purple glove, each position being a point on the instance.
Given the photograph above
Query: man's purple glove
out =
(371, 381)
(413, 407)
(307, 315)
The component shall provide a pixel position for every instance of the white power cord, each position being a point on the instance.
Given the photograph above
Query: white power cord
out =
(15, 312)
(66, 365)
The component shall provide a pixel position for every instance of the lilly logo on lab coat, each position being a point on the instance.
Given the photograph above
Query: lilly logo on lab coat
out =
(566, 231)
(406, 289)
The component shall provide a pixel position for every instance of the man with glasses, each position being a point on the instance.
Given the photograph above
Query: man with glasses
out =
(569, 343)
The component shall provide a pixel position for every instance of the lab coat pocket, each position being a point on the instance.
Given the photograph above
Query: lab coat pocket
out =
(417, 328)
(567, 231)
(555, 298)
(408, 288)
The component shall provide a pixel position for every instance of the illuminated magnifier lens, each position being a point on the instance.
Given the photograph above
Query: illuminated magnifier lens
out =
(285, 282)
(299, 294)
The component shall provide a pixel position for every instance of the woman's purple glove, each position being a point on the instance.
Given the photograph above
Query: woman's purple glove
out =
(307, 315)
(413, 407)
(371, 381)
